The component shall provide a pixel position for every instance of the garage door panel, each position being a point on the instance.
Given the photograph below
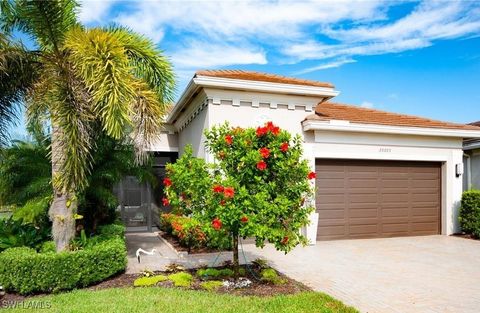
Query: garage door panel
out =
(367, 199)
(368, 213)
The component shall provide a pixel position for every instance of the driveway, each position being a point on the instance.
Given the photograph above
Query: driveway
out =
(411, 274)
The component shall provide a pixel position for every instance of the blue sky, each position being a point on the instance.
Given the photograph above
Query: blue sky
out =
(411, 57)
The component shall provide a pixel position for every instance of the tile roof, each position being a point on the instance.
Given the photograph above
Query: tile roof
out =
(263, 77)
(335, 111)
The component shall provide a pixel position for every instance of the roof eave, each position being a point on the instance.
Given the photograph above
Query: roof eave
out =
(199, 81)
(309, 125)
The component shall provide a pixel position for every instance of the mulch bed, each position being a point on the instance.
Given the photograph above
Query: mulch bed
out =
(466, 236)
(257, 288)
(176, 244)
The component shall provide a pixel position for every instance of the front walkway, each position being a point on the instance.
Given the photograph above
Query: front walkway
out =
(164, 255)
(404, 275)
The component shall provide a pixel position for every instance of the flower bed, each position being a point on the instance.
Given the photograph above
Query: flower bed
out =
(26, 271)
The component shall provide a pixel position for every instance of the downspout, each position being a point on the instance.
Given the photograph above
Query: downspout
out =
(468, 171)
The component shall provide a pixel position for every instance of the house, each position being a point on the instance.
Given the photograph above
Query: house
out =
(472, 162)
(379, 174)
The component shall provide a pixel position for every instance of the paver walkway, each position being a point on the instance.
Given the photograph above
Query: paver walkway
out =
(164, 255)
(428, 274)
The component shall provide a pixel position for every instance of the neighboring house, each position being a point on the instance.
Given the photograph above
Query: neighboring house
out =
(472, 162)
(379, 174)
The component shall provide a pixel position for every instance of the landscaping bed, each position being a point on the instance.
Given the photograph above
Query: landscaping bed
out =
(281, 284)
(176, 245)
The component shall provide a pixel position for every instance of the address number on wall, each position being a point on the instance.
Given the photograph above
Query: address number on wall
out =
(385, 150)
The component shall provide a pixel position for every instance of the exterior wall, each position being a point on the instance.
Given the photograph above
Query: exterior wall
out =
(191, 126)
(344, 145)
(168, 142)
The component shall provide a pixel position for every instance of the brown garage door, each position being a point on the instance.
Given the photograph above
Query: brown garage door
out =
(367, 199)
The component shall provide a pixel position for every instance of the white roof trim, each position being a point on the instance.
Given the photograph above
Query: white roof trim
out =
(386, 129)
(241, 84)
(252, 85)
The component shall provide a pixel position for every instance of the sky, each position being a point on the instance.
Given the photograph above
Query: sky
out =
(413, 57)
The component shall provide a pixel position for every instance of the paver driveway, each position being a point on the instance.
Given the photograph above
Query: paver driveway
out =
(411, 274)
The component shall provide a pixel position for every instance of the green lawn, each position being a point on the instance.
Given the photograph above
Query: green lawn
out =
(155, 299)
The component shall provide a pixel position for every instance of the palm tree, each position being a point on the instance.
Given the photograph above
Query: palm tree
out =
(79, 78)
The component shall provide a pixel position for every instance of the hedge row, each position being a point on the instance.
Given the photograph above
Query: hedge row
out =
(25, 271)
(470, 213)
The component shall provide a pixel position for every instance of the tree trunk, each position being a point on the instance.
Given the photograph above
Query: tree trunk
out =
(236, 264)
(64, 204)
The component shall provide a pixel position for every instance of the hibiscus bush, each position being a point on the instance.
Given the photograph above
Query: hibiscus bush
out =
(188, 230)
(259, 186)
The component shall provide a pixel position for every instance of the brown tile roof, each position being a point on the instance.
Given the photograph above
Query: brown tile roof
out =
(336, 111)
(263, 77)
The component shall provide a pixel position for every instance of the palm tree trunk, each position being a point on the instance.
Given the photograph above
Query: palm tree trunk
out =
(64, 204)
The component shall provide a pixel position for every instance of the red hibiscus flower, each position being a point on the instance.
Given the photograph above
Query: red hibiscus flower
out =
(244, 219)
(229, 192)
(216, 223)
(217, 188)
(264, 152)
(311, 175)
(228, 139)
(275, 130)
(284, 147)
(166, 202)
(284, 240)
(261, 131)
(262, 165)
(167, 181)
(269, 126)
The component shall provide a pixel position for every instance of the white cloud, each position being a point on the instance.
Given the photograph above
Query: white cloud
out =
(202, 55)
(366, 104)
(95, 10)
(324, 66)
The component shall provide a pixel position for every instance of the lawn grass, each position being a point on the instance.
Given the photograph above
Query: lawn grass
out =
(165, 300)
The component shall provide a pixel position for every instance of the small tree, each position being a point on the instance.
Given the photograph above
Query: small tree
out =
(258, 187)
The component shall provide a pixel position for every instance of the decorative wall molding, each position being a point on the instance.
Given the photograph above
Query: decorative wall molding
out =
(191, 116)
(257, 103)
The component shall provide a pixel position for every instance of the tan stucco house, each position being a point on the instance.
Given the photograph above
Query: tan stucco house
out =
(379, 174)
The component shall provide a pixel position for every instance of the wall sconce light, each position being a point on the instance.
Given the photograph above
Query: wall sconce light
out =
(459, 169)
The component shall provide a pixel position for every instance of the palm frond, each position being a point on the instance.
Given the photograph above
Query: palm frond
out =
(100, 60)
(148, 63)
(18, 72)
(46, 22)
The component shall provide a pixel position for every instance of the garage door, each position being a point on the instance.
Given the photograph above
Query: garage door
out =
(368, 199)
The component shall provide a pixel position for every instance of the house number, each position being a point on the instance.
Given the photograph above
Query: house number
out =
(385, 150)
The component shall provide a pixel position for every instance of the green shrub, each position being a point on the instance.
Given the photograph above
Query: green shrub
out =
(25, 271)
(149, 281)
(112, 230)
(469, 216)
(211, 285)
(14, 233)
(48, 247)
(181, 279)
(271, 276)
(207, 273)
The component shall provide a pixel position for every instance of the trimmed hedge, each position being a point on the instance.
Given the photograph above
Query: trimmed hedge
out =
(25, 271)
(470, 212)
